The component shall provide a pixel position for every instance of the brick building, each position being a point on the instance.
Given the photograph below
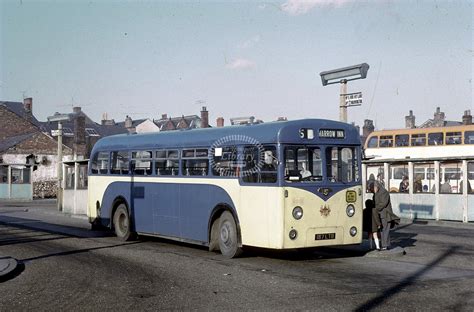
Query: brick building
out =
(22, 135)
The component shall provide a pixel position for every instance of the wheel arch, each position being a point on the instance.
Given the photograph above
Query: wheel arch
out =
(213, 225)
(117, 201)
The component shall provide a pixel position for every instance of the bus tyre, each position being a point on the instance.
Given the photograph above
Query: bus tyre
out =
(122, 223)
(228, 240)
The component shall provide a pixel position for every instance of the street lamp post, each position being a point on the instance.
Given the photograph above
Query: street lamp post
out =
(342, 76)
(59, 118)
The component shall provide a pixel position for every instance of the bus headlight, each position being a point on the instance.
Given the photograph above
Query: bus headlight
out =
(353, 231)
(297, 212)
(350, 210)
(293, 234)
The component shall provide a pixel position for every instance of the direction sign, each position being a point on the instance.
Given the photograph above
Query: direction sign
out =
(353, 99)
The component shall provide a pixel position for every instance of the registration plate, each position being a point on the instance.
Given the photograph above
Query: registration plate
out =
(324, 236)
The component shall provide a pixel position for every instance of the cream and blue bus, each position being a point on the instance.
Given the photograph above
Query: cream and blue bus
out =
(279, 185)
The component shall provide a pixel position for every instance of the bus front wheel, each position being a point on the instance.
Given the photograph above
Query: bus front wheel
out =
(122, 223)
(228, 240)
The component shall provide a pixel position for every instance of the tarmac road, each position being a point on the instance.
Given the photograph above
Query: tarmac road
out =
(64, 266)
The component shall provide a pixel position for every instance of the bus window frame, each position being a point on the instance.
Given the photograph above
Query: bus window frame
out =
(435, 141)
(133, 160)
(373, 138)
(386, 138)
(95, 159)
(277, 149)
(397, 140)
(183, 161)
(415, 136)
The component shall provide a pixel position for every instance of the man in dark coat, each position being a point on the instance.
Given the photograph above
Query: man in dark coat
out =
(384, 208)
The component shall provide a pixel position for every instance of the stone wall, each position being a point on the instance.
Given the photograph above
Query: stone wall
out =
(45, 189)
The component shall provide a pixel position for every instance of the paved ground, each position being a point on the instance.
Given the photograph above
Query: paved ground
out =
(64, 266)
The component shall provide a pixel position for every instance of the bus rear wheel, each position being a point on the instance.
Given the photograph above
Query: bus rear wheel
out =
(122, 223)
(228, 239)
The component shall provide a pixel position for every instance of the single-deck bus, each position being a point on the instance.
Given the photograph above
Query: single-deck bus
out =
(279, 185)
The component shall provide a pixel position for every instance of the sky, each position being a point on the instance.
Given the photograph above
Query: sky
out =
(239, 58)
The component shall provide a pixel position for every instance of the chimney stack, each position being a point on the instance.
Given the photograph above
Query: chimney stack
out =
(467, 117)
(128, 122)
(80, 135)
(368, 127)
(439, 118)
(76, 109)
(204, 118)
(410, 121)
(164, 116)
(220, 122)
(28, 106)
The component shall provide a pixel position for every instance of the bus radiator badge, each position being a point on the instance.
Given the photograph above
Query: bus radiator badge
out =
(325, 211)
(325, 190)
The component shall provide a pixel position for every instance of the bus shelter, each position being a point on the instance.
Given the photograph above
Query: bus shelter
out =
(436, 189)
(75, 187)
(15, 182)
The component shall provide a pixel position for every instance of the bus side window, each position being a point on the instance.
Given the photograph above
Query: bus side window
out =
(167, 162)
(120, 163)
(260, 164)
(141, 163)
(435, 138)
(402, 140)
(373, 142)
(469, 137)
(100, 163)
(225, 161)
(195, 162)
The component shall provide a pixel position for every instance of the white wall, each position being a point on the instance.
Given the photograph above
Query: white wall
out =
(46, 172)
(147, 126)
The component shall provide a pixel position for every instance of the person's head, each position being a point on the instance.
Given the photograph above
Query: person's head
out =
(405, 179)
(369, 203)
(377, 187)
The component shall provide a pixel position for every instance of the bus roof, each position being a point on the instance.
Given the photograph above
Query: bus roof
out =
(423, 130)
(265, 133)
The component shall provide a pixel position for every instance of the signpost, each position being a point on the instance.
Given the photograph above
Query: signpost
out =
(342, 76)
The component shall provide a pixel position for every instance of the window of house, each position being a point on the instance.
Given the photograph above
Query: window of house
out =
(398, 178)
(70, 176)
(453, 138)
(195, 162)
(469, 137)
(260, 164)
(141, 163)
(225, 162)
(167, 162)
(402, 140)
(418, 139)
(120, 163)
(386, 141)
(3, 174)
(435, 138)
(450, 180)
(20, 175)
(100, 163)
(373, 142)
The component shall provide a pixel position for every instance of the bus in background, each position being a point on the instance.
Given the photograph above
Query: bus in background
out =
(430, 171)
(279, 185)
